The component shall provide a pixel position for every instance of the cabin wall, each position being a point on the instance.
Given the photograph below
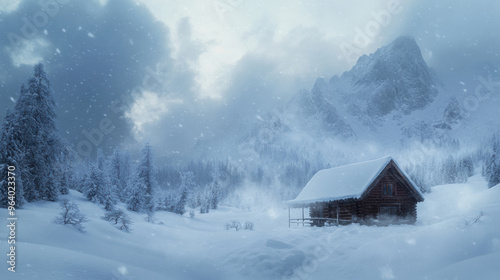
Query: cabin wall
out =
(402, 198)
(347, 210)
(376, 204)
(402, 201)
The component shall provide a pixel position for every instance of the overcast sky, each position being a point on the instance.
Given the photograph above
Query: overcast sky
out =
(178, 73)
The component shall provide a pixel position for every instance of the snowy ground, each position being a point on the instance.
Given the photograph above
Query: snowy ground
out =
(444, 244)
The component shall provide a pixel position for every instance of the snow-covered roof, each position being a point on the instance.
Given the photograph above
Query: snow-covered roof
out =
(343, 182)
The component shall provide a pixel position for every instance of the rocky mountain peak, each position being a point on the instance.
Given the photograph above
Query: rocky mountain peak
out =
(393, 78)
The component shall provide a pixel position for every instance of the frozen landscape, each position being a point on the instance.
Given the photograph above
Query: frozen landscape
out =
(461, 242)
(157, 139)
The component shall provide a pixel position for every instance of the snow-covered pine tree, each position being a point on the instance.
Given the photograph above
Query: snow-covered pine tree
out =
(125, 175)
(96, 185)
(492, 162)
(39, 139)
(419, 175)
(96, 190)
(180, 207)
(92, 185)
(66, 169)
(205, 203)
(449, 170)
(10, 155)
(115, 173)
(135, 201)
(187, 184)
(494, 175)
(81, 173)
(107, 195)
(215, 188)
(144, 183)
(119, 173)
(194, 199)
(215, 191)
(168, 200)
(467, 165)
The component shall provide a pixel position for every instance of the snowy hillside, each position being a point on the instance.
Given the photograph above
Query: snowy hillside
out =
(457, 236)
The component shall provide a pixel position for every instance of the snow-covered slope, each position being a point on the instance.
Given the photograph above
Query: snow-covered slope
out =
(457, 236)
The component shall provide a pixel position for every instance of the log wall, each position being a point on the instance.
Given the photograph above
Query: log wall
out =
(368, 208)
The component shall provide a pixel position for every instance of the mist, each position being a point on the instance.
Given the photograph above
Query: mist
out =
(197, 73)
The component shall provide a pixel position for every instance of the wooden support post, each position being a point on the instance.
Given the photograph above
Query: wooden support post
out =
(288, 216)
(337, 215)
(303, 222)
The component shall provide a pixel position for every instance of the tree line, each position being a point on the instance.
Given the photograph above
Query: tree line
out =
(45, 165)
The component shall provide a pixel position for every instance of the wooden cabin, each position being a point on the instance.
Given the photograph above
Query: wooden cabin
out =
(371, 192)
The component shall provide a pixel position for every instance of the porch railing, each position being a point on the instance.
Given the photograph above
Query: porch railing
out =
(317, 221)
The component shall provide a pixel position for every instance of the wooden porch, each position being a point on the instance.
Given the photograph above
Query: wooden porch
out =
(315, 221)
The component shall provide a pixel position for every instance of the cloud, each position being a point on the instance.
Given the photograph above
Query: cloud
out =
(95, 52)
(459, 39)
(191, 72)
(149, 108)
(29, 52)
(8, 6)
(260, 53)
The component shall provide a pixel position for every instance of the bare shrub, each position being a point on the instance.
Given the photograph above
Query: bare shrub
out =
(474, 220)
(237, 225)
(248, 225)
(71, 215)
(233, 224)
(120, 218)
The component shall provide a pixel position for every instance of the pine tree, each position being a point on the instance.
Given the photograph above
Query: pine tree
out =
(449, 171)
(180, 207)
(65, 169)
(468, 165)
(216, 187)
(125, 173)
(169, 201)
(144, 184)
(187, 183)
(97, 187)
(136, 199)
(205, 203)
(81, 173)
(92, 186)
(10, 155)
(39, 139)
(107, 196)
(494, 176)
(493, 162)
(119, 174)
(114, 171)
(214, 194)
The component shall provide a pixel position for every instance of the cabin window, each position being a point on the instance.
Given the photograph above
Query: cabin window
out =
(389, 210)
(387, 189)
